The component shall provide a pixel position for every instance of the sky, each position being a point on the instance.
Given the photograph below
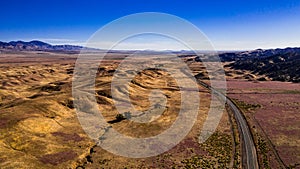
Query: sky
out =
(228, 24)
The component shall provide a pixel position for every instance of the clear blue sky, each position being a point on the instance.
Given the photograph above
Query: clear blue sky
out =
(230, 25)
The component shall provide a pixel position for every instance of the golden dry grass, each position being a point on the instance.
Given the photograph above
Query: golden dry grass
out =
(39, 127)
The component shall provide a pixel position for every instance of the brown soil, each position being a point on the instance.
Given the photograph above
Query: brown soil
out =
(39, 127)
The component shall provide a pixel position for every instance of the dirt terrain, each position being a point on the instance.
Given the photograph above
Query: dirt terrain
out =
(39, 127)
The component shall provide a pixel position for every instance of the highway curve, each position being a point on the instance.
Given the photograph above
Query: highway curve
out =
(249, 156)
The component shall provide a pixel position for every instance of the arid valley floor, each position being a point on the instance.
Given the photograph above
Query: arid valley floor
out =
(39, 126)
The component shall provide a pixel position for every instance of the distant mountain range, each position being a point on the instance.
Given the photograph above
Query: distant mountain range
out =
(278, 64)
(37, 46)
(257, 54)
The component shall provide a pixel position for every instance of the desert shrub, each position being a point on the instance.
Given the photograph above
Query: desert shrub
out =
(120, 117)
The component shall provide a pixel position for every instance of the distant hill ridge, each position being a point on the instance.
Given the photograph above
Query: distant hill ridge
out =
(277, 64)
(257, 54)
(36, 45)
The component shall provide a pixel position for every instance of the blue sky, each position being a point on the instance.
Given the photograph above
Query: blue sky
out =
(230, 25)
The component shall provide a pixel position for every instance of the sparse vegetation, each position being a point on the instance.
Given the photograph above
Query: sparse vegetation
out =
(219, 148)
(38, 119)
(263, 150)
(246, 106)
(120, 117)
(272, 124)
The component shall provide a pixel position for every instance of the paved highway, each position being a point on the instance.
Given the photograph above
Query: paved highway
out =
(249, 156)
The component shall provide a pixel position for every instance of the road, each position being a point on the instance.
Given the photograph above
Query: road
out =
(249, 156)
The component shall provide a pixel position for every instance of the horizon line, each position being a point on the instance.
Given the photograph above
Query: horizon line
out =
(155, 50)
